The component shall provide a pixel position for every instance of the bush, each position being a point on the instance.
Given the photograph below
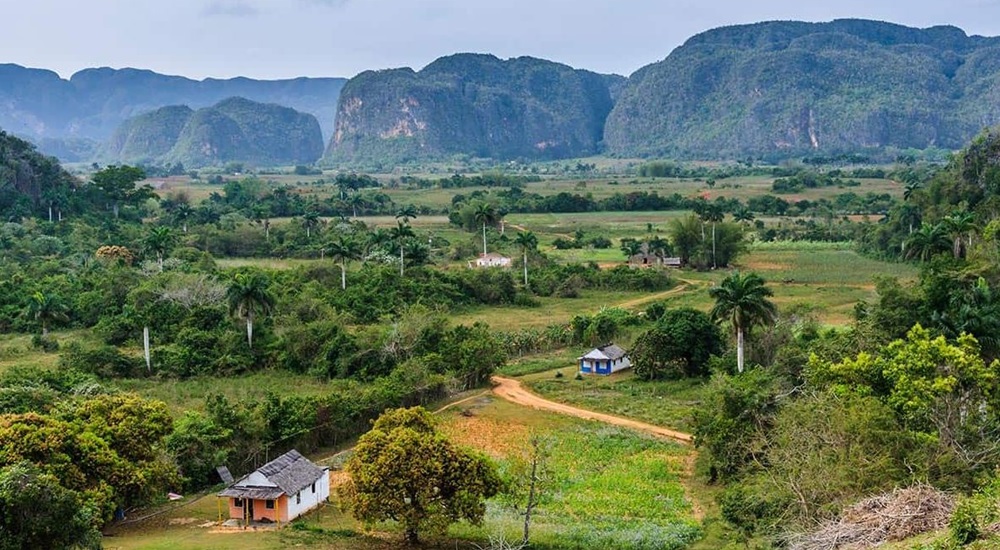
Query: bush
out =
(103, 361)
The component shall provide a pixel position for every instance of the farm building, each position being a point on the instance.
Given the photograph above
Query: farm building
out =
(490, 260)
(278, 491)
(605, 360)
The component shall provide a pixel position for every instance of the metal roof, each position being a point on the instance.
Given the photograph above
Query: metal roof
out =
(607, 351)
(288, 474)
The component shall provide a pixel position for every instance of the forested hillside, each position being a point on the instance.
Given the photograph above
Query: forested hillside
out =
(235, 129)
(476, 105)
(779, 89)
(91, 104)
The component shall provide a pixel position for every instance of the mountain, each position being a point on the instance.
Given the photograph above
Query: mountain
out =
(474, 105)
(235, 129)
(788, 88)
(29, 180)
(38, 104)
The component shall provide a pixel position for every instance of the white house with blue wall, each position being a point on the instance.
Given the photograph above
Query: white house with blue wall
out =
(604, 360)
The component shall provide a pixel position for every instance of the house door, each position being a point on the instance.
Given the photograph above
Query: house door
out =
(249, 509)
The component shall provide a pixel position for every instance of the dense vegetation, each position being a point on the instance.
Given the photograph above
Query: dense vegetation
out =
(473, 105)
(69, 117)
(233, 130)
(778, 89)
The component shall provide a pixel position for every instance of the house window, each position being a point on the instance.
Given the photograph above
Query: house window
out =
(314, 487)
(269, 504)
(298, 497)
(238, 502)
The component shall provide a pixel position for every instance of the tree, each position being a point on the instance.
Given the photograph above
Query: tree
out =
(403, 470)
(630, 247)
(343, 250)
(713, 213)
(484, 214)
(406, 212)
(926, 242)
(310, 221)
(117, 185)
(958, 225)
(37, 512)
(159, 241)
(399, 234)
(46, 309)
(249, 295)
(527, 241)
(680, 344)
(743, 300)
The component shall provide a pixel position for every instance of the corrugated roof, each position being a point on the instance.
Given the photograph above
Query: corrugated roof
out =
(291, 472)
(607, 351)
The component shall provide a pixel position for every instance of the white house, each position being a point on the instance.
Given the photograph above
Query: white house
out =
(279, 491)
(604, 360)
(490, 260)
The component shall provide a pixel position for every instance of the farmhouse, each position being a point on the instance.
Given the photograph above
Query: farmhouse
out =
(490, 260)
(605, 360)
(278, 491)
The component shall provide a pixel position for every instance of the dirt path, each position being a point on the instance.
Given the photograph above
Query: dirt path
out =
(513, 391)
(687, 286)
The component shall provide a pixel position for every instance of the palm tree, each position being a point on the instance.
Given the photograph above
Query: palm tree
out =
(485, 214)
(658, 247)
(527, 241)
(159, 241)
(407, 212)
(743, 300)
(927, 241)
(343, 250)
(958, 225)
(399, 234)
(249, 295)
(310, 221)
(910, 188)
(713, 213)
(630, 247)
(743, 215)
(356, 201)
(182, 212)
(46, 308)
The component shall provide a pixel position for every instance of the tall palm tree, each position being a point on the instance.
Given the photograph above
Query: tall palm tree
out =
(958, 225)
(159, 241)
(343, 250)
(743, 300)
(484, 214)
(181, 213)
(356, 201)
(927, 241)
(911, 187)
(527, 241)
(249, 295)
(310, 221)
(743, 215)
(713, 213)
(46, 308)
(399, 234)
(407, 212)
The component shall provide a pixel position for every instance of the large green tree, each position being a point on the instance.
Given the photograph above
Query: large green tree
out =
(680, 344)
(117, 185)
(47, 308)
(249, 295)
(159, 240)
(37, 512)
(403, 470)
(743, 300)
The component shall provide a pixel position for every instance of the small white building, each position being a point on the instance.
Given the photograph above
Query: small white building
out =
(279, 491)
(604, 360)
(490, 260)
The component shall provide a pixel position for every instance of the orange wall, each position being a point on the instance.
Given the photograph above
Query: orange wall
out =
(260, 511)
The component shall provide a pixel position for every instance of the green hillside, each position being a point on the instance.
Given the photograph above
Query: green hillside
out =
(476, 105)
(234, 129)
(788, 88)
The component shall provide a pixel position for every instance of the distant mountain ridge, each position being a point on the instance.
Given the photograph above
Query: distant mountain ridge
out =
(235, 129)
(472, 104)
(38, 104)
(789, 88)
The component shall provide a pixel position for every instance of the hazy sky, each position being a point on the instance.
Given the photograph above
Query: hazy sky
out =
(287, 38)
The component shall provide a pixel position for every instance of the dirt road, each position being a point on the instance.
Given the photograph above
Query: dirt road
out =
(513, 391)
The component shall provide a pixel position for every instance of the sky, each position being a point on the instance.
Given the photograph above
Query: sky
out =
(288, 38)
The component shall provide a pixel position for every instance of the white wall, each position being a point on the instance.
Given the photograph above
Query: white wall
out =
(310, 500)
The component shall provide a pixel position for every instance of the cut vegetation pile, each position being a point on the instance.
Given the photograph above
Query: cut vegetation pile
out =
(894, 516)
